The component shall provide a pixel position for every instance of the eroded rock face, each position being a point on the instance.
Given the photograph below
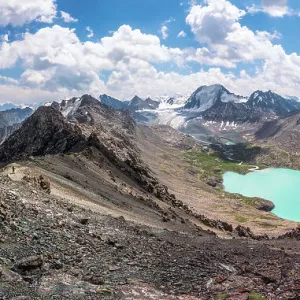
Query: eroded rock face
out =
(247, 233)
(7, 131)
(7, 276)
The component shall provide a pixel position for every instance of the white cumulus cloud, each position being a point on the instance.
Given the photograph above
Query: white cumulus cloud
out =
(19, 12)
(212, 22)
(274, 8)
(217, 24)
(55, 59)
(56, 63)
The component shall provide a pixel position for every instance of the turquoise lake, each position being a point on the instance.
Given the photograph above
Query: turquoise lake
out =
(281, 186)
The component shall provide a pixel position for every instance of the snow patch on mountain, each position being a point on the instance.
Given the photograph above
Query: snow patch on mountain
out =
(207, 96)
(171, 118)
(174, 101)
(69, 107)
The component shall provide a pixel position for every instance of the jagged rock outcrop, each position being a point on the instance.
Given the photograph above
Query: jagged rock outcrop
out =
(113, 132)
(283, 132)
(293, 234)
(247, 233)
(7, 131)
(260, 105)
(135, 104)
(39, 182)
(45, 132)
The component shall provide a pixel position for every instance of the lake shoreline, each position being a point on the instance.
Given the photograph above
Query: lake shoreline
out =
(278, 186)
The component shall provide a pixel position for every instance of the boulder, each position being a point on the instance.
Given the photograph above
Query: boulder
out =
(213, 182)
(29, 263)
(265, 205)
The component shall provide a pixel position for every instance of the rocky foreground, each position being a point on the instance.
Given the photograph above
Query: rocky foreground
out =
(52, 249)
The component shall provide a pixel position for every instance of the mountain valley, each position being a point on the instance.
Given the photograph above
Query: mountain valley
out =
(96, 204)
(149, 150)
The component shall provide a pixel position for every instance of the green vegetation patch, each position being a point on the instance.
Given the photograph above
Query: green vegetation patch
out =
(210, 164)
(241, 219)
(221, 297)
(207, 165)
(252, 296)
(164, 171)
(249, 201)
(256, 296)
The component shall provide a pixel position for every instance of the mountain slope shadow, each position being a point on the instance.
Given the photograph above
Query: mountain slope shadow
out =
(268, 130)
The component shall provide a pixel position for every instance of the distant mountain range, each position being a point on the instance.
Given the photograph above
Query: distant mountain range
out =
(212, 113)
(11, 119)
(7, 106)
(136, 103)
(215, 103)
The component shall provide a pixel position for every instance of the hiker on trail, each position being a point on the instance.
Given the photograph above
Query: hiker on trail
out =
(13, 169)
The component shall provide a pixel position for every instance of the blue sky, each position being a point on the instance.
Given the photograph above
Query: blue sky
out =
(149, 48)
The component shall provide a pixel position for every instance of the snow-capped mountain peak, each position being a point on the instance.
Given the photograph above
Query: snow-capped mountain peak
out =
(206, 96)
